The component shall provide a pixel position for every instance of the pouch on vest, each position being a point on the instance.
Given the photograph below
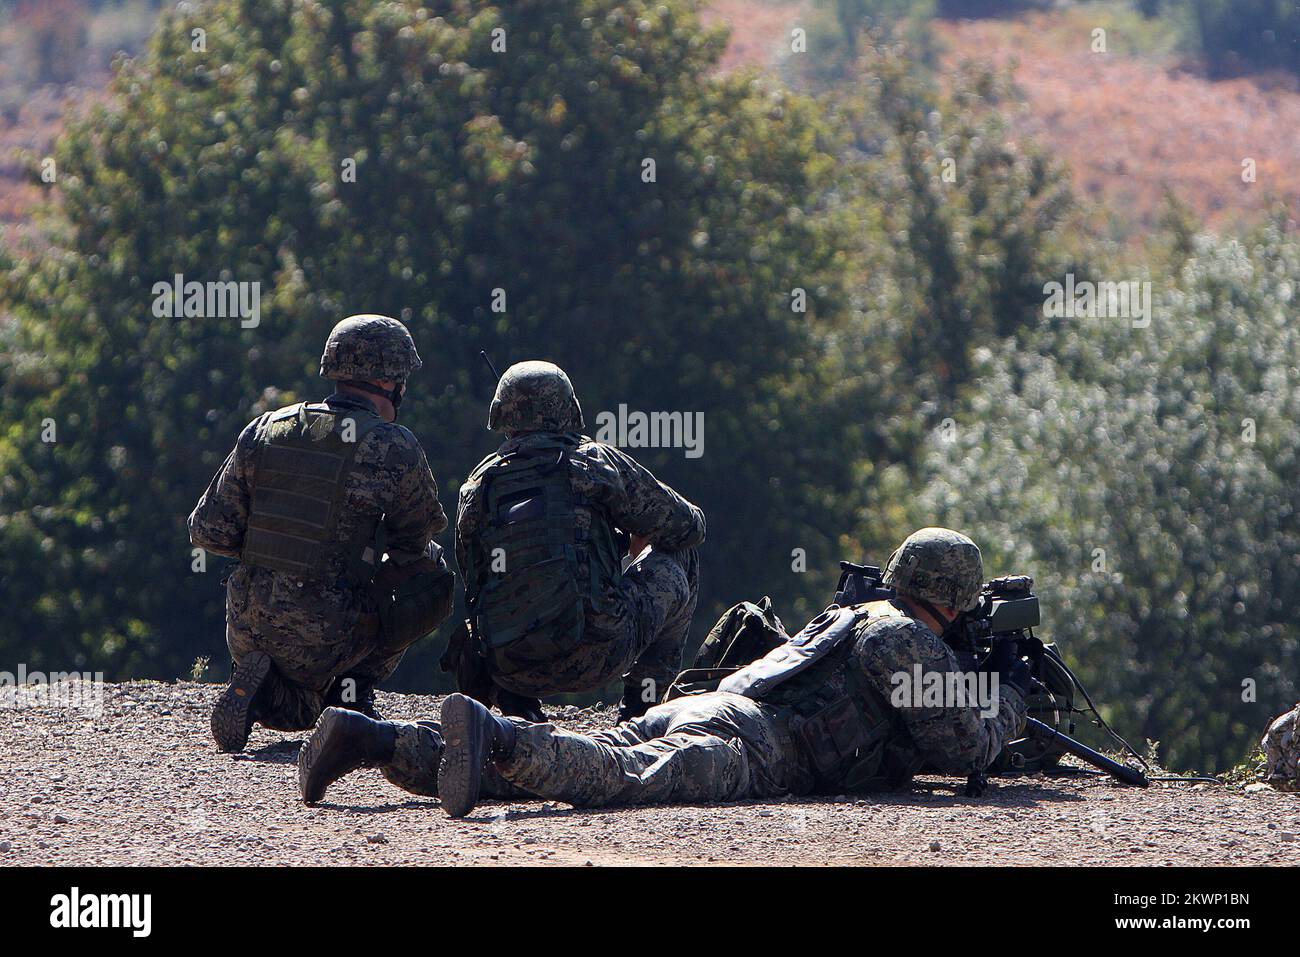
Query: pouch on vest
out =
(414, 598)
(745, 633)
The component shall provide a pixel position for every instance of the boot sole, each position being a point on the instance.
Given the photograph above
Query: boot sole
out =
(324, 738)
(230, 725)
(461, 768)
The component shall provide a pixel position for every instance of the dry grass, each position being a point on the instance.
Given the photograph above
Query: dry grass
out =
(1132, 126)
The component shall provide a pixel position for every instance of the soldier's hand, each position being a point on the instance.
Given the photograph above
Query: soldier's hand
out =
(1011, 668)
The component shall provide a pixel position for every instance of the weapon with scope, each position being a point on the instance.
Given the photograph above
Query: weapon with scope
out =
(1007, 611)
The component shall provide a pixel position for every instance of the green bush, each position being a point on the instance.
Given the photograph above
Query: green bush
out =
(1146, 478)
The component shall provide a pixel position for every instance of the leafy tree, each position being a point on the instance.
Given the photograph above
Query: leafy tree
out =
(495, 148)
(1145, 477)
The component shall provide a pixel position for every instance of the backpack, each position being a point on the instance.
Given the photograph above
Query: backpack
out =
(745, 633)
(532, 610)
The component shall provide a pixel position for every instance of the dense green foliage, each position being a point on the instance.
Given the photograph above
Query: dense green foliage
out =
(920, 233)
(475, 171)
(1146, 478)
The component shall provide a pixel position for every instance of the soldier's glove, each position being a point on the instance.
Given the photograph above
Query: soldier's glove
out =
(1011, 668)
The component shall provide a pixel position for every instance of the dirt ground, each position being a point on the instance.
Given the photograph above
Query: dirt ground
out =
(143, 784)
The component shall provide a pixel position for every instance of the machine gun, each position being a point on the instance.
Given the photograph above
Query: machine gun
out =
(1007, 611)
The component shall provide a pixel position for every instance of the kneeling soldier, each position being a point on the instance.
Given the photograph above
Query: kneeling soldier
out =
(309, 500)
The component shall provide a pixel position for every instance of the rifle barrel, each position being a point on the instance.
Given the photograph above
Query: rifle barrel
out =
(1080, 750)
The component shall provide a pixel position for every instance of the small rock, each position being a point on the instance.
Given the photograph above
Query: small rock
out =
(5, 847)
(1257, 787)
(376, 839)
(1286, 835)
(934, 845)
(60, 819)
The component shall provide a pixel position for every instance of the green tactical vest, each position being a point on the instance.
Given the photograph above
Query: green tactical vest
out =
(845, 726)
(525, 583)
(301, 465)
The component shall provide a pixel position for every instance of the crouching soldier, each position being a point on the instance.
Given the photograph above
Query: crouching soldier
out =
(551, 608)
(309, 501)
(819, 714)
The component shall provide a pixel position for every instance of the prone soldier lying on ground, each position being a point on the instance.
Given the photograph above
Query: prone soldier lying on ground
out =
(817, 715)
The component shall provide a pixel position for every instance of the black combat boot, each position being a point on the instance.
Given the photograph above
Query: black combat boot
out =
(472, 734)
(232, 715)
(362, 696)
(342, 741)
(632, 705)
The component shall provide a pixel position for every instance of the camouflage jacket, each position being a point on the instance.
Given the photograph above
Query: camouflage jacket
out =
(619, 490)
(863, 670)
(389, 476)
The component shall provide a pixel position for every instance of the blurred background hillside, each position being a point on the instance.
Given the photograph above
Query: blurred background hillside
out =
(841, 263)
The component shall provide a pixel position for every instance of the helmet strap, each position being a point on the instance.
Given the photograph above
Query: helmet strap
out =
(393, 395)
(934, 613)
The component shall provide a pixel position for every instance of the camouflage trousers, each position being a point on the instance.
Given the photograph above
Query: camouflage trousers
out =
(414, 765)
(313, 634)
(1281, 744)
(705, 748)
(640, 636)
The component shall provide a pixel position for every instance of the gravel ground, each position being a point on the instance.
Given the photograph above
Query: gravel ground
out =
(143, 784)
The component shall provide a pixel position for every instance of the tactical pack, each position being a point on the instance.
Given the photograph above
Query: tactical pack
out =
(303, 456)
(745, 633)
(525, 582)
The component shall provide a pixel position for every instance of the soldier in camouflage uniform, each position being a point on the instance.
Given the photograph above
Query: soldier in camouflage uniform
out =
(551, 607)
(1281, 744)
(309, 500)
(816, 715)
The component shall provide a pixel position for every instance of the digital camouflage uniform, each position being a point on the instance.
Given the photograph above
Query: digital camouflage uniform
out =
(722, 746)
(315, 629)
(636, 622)
(820, 713)
(1281, 744)
(641, 624)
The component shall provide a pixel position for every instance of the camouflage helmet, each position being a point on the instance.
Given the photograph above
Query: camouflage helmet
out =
(937, 565)
(535, 397)
(369, 347)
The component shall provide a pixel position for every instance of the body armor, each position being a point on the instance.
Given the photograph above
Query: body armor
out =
(843, 725)
(303, 459)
